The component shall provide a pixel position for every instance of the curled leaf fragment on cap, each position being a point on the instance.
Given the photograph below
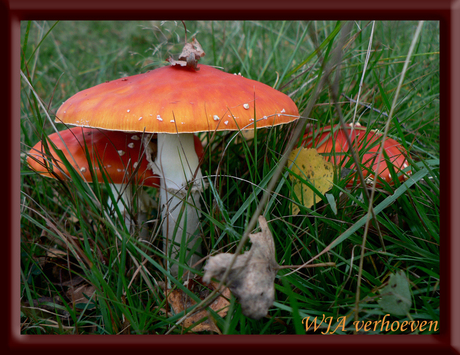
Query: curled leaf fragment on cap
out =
(252, 276)
(191, 54)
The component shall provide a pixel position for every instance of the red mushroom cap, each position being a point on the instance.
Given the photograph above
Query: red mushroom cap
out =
(367, 144)
(172, 99)
(121, 154)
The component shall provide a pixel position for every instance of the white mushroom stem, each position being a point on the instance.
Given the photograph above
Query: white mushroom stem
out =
(177, 163)
(125, 200)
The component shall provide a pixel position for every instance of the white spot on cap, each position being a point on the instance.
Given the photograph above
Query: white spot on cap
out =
(83, 169)
(405, 165)
(109, 166)
(135, 164)
(216, 118)
(119, 170)
(283, 110)
(121, 153)
(140, 118)
(127, 110)
(131, 145)
(135, 138)
(172, 121)
(226, 122)
(246, 106)
(251, 119)
(265, 117)
(159, 118)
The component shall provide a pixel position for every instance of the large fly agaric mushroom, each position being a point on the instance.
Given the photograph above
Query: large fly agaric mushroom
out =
(332, 141)
(176, 101)
(121, 156)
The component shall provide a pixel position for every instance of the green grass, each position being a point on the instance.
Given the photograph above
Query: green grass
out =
(74, 218)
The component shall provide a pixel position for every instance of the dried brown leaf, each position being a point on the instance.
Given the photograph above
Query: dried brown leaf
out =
(55, 253)
(252, 276)
(180, 301)
(191, 54)
(81, 294)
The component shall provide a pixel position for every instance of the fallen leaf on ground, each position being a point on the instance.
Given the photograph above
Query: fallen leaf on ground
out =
(81, 294)
(180, 301)
(252, 276)
(396, 298)
(310, 166)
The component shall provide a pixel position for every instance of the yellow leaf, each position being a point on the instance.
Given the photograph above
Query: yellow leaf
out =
(312, 167)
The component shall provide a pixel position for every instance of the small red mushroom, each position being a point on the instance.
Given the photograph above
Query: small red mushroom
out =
(120, 155)
(332, 142)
